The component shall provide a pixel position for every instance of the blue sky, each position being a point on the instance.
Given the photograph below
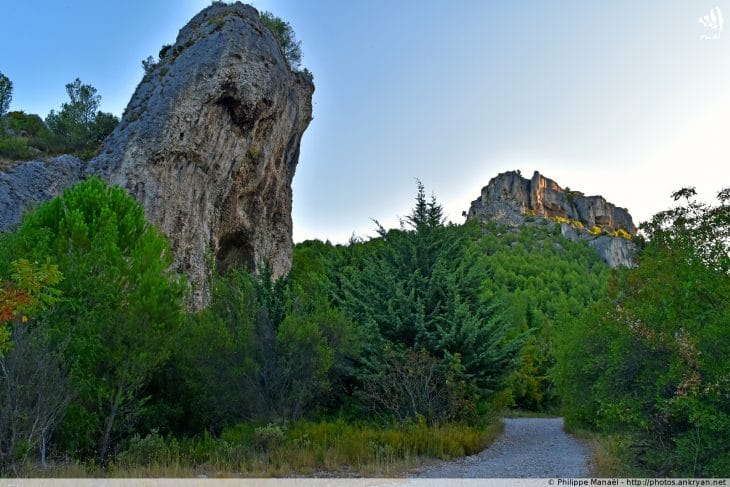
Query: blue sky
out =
(619, 98)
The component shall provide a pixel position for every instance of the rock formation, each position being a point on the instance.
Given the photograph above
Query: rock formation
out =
(29, 183)
(209, 144)
(210, 141)
(509, 197)
(512, 200)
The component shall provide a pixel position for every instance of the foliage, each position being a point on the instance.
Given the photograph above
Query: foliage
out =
(263, 350)
(149, 64)
(79, 122)
(284, 34)
(77, 128)
(120, 304)
(652, 359)
(414, 288)
(410, 385)
(544, 281)
(31, 289)
(302, 448)
(25, 125)
(14, 149)
(6, 94)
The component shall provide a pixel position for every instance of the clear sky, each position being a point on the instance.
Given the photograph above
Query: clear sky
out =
(619, 98)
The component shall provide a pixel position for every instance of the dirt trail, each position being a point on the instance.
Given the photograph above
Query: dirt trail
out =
(529, 447)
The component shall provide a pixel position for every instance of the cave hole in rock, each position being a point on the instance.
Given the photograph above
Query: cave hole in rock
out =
(234, 251)
(241, 116)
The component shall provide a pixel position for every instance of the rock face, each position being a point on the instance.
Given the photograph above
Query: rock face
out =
(208, 144)
(29, 183)
(210, 141)
(615, 251)
(511, 199)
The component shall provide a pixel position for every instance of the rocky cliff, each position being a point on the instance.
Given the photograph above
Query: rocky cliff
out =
(30, 183)
(209, 144)
(511, 199)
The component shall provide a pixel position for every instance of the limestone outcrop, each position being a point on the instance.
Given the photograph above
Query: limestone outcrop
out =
(210, 141)
(29, 183)
(209, 144)
(509, 197)
(512, 200)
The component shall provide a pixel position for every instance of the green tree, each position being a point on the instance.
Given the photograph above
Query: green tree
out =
(262, 351)
(79, 122)
(544, 281)
(6, 94)
(284, 34)
(414, 288)
(120, 309)
(654, 357)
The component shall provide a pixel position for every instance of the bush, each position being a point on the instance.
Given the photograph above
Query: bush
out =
(412, 386)
(269, 436)
(25, 125)
(15, 149)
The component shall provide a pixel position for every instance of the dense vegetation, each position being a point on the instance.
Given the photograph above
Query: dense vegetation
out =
(414, 340)
(651, 361)
(424, 332)
(79, 127)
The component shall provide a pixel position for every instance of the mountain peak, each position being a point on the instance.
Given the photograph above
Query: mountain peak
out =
(509, 198)
(512, 200)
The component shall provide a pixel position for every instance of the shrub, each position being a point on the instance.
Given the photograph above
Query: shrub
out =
(25, 125)
(15, 149)
(621, 233)
(413, 385)
(269, 436)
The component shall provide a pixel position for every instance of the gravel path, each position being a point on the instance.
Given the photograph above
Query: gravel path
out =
(529, 447)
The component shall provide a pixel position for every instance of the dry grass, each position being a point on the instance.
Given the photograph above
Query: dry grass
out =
(309, 449)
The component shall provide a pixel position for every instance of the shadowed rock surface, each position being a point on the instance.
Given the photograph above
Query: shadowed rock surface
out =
(29, 183)
(512, 200)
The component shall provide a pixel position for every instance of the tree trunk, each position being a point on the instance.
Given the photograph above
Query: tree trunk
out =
(110, 423)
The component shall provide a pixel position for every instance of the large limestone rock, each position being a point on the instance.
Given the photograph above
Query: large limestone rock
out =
(541, 196)
(208, 144)
(210, 141)
(30, 183)
(511, 199)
